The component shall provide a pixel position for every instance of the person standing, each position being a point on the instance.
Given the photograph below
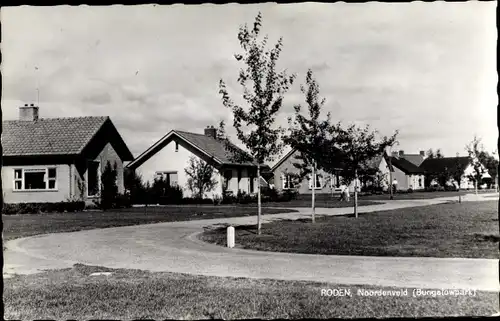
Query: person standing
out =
(394, 186)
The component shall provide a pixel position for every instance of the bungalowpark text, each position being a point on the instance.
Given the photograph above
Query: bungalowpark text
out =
(343, 292)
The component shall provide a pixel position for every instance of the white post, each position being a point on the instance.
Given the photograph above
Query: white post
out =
(230, 237)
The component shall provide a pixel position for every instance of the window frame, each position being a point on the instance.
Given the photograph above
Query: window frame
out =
(284, 180)
(319, 179)
(46, 179)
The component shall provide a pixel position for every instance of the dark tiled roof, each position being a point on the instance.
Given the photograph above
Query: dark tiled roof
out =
(406, 166)
(416, 159)
(49, 136)
(436, 165)
(214, 147)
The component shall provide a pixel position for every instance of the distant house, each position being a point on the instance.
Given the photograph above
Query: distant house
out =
(57, 159)
(284, 171)
(439, 165)
(407, 174)
(170, 155)
(415, 159)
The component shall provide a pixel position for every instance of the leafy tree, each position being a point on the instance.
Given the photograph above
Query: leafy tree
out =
(475, 149)
(307, 134)
(355, 146)
(109, 189)
(264, 97)
(491, 163)
(457, 171)
(134, 185)
(429, 177)
(201, 178)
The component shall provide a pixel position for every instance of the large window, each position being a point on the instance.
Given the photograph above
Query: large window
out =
(170, 177)
(93, 178)
(317, 181)
(35, 179)
(287, 181)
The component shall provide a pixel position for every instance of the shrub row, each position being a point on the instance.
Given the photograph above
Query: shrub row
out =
(36, 208)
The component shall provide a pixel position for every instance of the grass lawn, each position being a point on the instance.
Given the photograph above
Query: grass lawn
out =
(423, 195)
(131, 294)
(321, 201)
(16, 226)
(469, 230)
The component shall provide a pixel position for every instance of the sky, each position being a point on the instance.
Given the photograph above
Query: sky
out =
(427, 70)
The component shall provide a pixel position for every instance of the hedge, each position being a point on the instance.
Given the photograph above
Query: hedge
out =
(36, 208)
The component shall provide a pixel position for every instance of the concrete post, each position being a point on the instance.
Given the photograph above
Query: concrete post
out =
(230, 237)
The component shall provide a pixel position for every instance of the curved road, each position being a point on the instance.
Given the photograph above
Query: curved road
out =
(173, 247)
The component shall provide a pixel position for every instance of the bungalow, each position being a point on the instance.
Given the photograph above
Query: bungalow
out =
(416, 159)
(169, 157)
(439, 165)
(58, 159)
(408, 175)
(284, 171)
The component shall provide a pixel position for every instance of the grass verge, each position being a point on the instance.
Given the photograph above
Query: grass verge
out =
(469, 230)
(132, 294)
(16, 226)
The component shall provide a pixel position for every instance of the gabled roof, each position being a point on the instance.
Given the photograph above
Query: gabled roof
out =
(54, 136)
(416, 159)
(437, 165)
(284, 158)
(405, 166)
(206, 145)
(372, 163)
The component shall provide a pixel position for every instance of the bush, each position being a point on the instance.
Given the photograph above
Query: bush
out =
(287, 195)
(172, 195)
(269, 194)
(410, 190)
(37, 208)
(197, 201)
(244, 198)
(450, 188)
(228, 197)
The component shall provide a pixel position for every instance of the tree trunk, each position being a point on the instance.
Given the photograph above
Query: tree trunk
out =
(356, 193)
(259, 205)
(313, 189)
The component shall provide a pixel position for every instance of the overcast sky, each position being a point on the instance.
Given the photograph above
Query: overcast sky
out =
(426, 69)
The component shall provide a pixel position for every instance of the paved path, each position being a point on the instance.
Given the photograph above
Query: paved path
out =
(174, 247)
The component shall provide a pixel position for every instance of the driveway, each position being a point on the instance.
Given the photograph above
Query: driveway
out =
(173, 247)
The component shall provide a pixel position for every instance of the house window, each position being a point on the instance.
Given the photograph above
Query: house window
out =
(419, 182)
(170, 177)
(287, 181)
(317, 181)
(228, 174)
(176, 146)
(35, 179)
(93, 178)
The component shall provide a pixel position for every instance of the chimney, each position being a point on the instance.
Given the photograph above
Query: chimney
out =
(422, 153)
(28, 113)
(401, 153)
(210, 131)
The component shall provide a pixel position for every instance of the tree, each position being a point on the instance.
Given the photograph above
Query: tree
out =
(491, 164)
(109, 189)
(429, 177)
(134, 185)
(475, 149)
(355, 146)
(457, 171)
(200, 177)
(264, 97)
(307, 135)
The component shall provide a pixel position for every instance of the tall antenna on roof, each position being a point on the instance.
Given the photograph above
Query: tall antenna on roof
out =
(37, 87)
